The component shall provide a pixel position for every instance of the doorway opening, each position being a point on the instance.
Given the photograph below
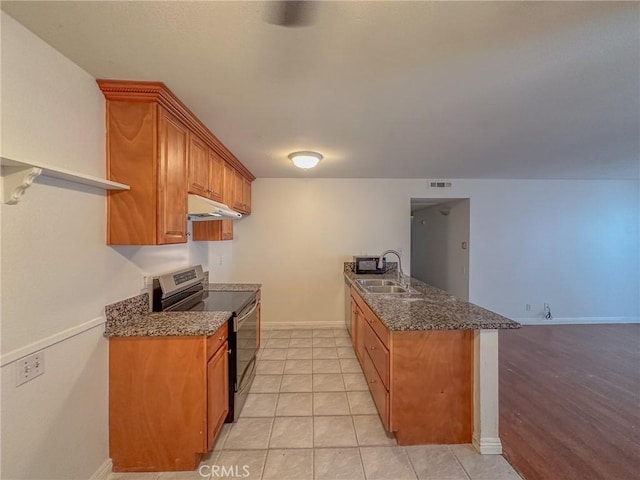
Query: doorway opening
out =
(440, 243)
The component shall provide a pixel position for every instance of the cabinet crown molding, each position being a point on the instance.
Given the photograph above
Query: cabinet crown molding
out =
(135, 91)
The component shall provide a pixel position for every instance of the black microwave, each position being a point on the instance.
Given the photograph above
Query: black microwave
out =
(368, 265)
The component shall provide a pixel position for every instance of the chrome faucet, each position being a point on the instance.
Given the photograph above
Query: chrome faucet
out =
(400, 274)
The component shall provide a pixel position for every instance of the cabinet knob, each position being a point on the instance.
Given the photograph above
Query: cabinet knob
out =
(373, 348)
(372, 381)
(220, 338)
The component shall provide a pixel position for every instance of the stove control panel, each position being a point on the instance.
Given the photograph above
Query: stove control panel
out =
(173, 282)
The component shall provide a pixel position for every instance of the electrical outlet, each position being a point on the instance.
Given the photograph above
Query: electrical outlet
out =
(29, 368)
(527, 307)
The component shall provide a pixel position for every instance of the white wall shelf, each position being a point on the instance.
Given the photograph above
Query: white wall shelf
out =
(17, 176)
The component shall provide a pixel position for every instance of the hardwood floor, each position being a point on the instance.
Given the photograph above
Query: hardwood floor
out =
(570, 401)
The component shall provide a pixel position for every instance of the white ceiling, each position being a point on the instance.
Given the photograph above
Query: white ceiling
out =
(383, 89)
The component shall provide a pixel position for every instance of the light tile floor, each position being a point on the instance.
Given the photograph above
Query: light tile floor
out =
(309, 415)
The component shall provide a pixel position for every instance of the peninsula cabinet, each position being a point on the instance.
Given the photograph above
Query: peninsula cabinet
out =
(158, 146)
(168, 399)
(420, 381)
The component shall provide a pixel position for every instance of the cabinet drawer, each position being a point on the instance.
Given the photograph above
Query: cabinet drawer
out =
(378, 392)
(216, 340)
(378, 353)
(377, 326)
(371, 318)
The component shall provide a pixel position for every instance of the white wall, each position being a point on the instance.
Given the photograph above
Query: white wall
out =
(573, 244)
(437, 256)
(301, 231)
(57, 273)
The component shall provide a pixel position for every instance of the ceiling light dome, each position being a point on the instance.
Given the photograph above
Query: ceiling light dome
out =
(305, 159)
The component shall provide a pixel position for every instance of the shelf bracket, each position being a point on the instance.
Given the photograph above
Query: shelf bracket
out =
(16, 181)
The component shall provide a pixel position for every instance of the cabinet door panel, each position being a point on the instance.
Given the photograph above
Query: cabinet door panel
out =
(246, 195)
(238, 187)
(198, 167)
(378, 392)
(214, 230)
(172, 180)
(360, 326)
(229, 184)
(354, 313)
(216, 176)
(378, 353)
(217, 393)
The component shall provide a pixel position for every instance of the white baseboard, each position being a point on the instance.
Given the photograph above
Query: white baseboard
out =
(104, 471)
(487, 446)
(300, 325)
(576, 320)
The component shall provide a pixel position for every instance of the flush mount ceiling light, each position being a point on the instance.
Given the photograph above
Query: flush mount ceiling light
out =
(305, 159)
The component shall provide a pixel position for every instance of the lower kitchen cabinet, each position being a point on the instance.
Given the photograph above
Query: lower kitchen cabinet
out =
(421, 381)
(217, 398)
(168, 398)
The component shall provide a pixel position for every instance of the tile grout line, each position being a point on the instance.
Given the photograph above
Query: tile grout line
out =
(459, 462)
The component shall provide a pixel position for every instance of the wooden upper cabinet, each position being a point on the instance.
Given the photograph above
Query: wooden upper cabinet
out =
(246, 195)
(146, 147)
(172, 180)
(158, 146)
(229, 185)
(237, 191)
(213, 231)
(241, 194)
(205, 170)
(215, 176)
(198, 167)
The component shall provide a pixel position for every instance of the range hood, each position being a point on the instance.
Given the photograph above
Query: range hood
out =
(202, 209)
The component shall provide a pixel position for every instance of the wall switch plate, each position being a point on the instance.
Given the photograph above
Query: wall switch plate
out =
(30, 367)
(527, 307)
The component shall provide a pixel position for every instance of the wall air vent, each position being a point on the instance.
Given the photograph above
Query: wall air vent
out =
(440, 184)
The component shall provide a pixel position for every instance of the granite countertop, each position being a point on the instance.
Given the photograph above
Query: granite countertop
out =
(131, 317)
(429, 308)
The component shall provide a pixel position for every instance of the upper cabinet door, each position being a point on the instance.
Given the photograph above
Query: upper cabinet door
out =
(198, 167)
(229, 184)
(238, 186)
(246, 195)
(173, 140)
(216, 176)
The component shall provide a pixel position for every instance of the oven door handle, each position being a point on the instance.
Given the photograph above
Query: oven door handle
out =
(238, 321)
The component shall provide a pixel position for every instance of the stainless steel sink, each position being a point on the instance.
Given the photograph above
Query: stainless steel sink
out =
(366, 282)
(387, 289)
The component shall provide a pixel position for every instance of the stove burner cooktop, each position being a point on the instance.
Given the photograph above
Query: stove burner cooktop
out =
(213, 301)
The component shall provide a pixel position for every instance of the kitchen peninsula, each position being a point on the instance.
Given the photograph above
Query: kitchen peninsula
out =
(430, 360)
